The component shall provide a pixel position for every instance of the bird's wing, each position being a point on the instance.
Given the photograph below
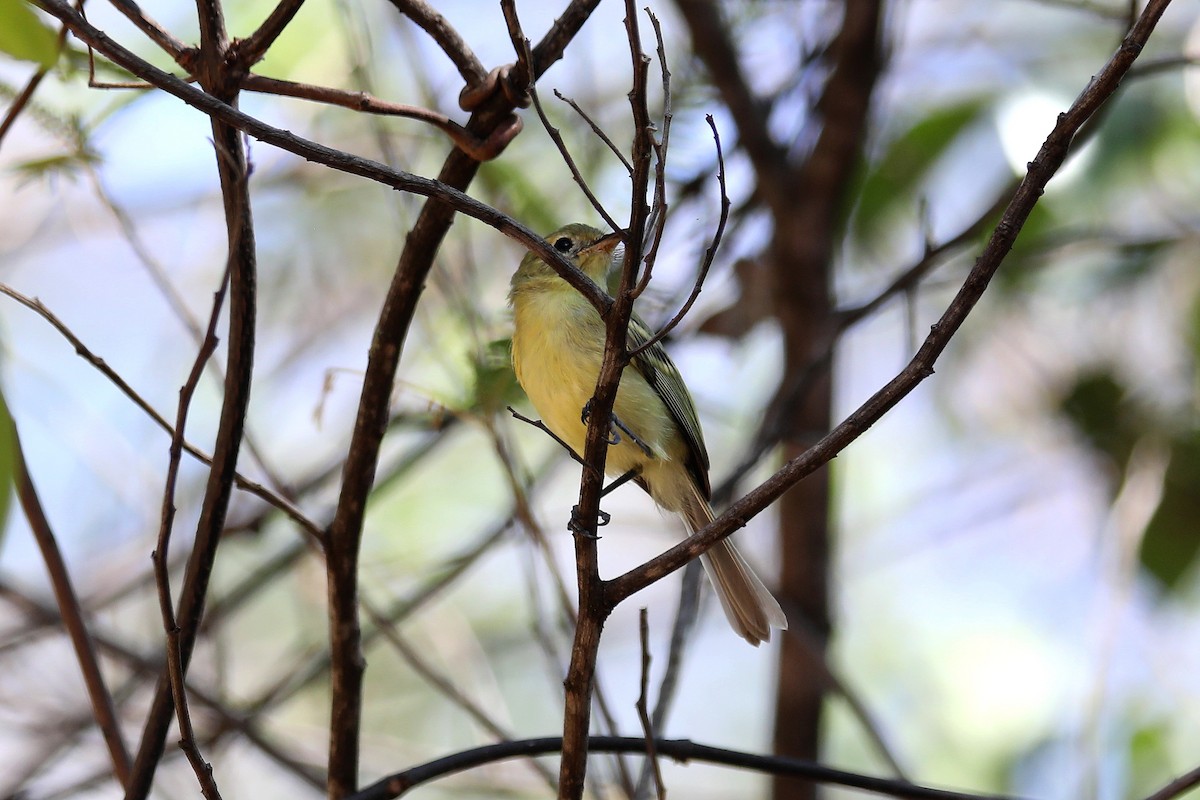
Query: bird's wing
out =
(657, 368)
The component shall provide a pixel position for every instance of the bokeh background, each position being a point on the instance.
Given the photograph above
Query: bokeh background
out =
(1014, 586)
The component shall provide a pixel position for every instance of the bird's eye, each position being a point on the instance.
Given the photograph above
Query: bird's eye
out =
(563, 245)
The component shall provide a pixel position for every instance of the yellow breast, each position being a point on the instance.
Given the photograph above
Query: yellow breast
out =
(558, 346)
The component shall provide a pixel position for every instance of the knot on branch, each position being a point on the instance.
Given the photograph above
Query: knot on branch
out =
(503, 80)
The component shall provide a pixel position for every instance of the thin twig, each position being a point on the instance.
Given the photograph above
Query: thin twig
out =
(103, 710)
(658, 209)
(83, 351)
(521, 45)
(176, 660)
(643, 704)
(616, 151)
(709, 253)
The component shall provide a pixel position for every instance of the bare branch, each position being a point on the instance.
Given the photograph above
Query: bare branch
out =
(1041, 169)
(681, 750)
(103, 709)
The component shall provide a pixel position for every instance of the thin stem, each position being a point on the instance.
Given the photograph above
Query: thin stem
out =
(103, 710)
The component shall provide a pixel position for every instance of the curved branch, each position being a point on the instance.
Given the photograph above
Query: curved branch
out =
(681, 750)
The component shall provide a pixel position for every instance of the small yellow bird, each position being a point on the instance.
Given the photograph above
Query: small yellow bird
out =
(557, 349)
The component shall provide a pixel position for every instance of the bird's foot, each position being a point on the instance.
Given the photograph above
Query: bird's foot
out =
(577, 527)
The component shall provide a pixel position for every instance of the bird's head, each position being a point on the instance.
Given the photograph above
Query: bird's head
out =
(587, 248)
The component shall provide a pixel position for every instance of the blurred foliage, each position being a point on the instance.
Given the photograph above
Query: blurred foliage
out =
(8, 464)
(1171, 543)
(892, 180)
(1101, 412)
(23, 36)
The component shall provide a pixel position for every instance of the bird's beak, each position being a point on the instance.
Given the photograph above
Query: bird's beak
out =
(605, 244)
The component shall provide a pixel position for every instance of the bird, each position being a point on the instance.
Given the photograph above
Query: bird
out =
(557, 350)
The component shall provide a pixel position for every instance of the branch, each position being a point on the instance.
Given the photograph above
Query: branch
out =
(444, 190)
(681, 750)
(709, 253)
(258, 490)
(1041, 169)
(71, 612)
(233, 171)
(177, 657)
(476, 148)
(153, 29)
(249, 51)
(442, 32)
(594, 607)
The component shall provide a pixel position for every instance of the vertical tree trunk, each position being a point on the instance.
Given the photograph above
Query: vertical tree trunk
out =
(808, 211)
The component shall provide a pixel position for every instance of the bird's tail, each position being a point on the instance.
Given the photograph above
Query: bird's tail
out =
(750, 608)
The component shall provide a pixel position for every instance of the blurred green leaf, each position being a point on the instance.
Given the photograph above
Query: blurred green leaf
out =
(23, 36)
(63, 164)
(8, 463)
(507, 181)
(1100, 412)
(891, 183)
(1149, 759)
(1171, 543)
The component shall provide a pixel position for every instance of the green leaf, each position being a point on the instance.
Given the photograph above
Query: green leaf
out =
(891, 183)
(23, 36)
(8, 463)
(1100, 412)
(1171, 543)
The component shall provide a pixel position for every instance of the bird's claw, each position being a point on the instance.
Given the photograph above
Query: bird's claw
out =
(616, 428)
(578, 528)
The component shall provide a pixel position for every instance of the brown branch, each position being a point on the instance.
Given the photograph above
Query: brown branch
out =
(176, 660)
(478, 149)
(643, 705)
(445, 190)
(1178, 787)
(442, 32)
(1041, 169)
(233, 171)
(249, 51)
(612, 148)
(71, 612)
(593, 608)
(153, 29)
(681, 750)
